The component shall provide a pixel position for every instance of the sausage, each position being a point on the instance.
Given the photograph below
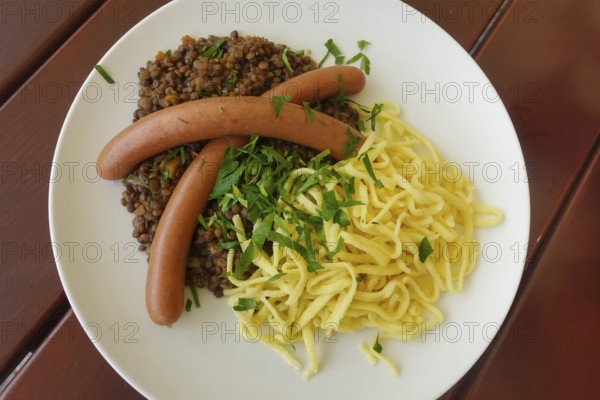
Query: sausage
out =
(320, 84)
(165, 280)
(166, 269)
(220, 116)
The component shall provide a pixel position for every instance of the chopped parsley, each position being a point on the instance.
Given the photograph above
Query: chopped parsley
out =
(214, 51)
(245, 304)
(259, 177)
(232, 79)
(195, 296)
(308, 111)
(286, 62)
(279, 101)
(374, 113)
(104, 74)
(188, 305)
(276, 277)
(333, 50)
(377, 347)
(425, 249)
(350, 145)
(365, 63)
(369, 168)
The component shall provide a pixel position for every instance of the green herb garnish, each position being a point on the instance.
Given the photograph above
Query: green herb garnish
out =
(136, 180)
(228, 245)
(207, 224)
(425, 249)
(104, 74)
(232, 80)
(188, 305)
(286, 62)
(340, 97)
(276, 277)
(377, 347)
(195, 296)
(365, 63)
(279, 101)
(337, 249)
(370, 171)
(374, 113)
(245, 304)
(213, 51)
(349, 146)
(333, 50)
(168, 53)
(308, 111)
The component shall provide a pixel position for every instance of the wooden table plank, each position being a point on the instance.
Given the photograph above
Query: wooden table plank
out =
(30, 31)
(464, 20)
(551, 349)
(31, 121)
(36, 96)
(554, 104)
(58, 370)
(544, 61)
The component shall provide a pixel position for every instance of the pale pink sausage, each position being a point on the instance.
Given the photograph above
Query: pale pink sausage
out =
(168, 254)
(221, 116)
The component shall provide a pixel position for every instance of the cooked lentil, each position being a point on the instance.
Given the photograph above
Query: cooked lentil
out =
(240, 66)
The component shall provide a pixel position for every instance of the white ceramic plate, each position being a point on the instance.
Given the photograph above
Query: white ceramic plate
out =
(443, 93)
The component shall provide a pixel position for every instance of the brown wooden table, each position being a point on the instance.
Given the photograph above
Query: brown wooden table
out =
(543, 56)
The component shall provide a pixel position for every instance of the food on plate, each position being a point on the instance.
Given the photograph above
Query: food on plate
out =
(207, 119)
(165, 281)
(208, 67)
(320, 84)
(367, 242)
(166, 269)
(318, 222)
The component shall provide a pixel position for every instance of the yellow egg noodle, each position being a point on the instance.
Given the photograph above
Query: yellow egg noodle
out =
(376, 279)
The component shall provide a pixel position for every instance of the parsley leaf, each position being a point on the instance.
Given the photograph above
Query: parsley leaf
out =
(313, 266)
(349, 146)
(245, 304)
(425, 249)
(228, 245)
(337, 249)
(286, 62)
(340, 97)
(213, 51)
(330, 205)
(104, 74)
(195, 296)
(374, 113)
(278, 101)
(245, 260)
(370, 171)
(308, 111)
(333, 50)
(365, 64)
(377, 347)
(276, 277)
(260, 234)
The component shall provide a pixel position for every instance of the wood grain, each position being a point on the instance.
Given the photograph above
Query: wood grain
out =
(68, 366)
(463, 20)
(31, 30)
(31, 121)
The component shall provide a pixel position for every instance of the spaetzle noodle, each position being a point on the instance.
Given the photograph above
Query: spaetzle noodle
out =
(376, 279)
